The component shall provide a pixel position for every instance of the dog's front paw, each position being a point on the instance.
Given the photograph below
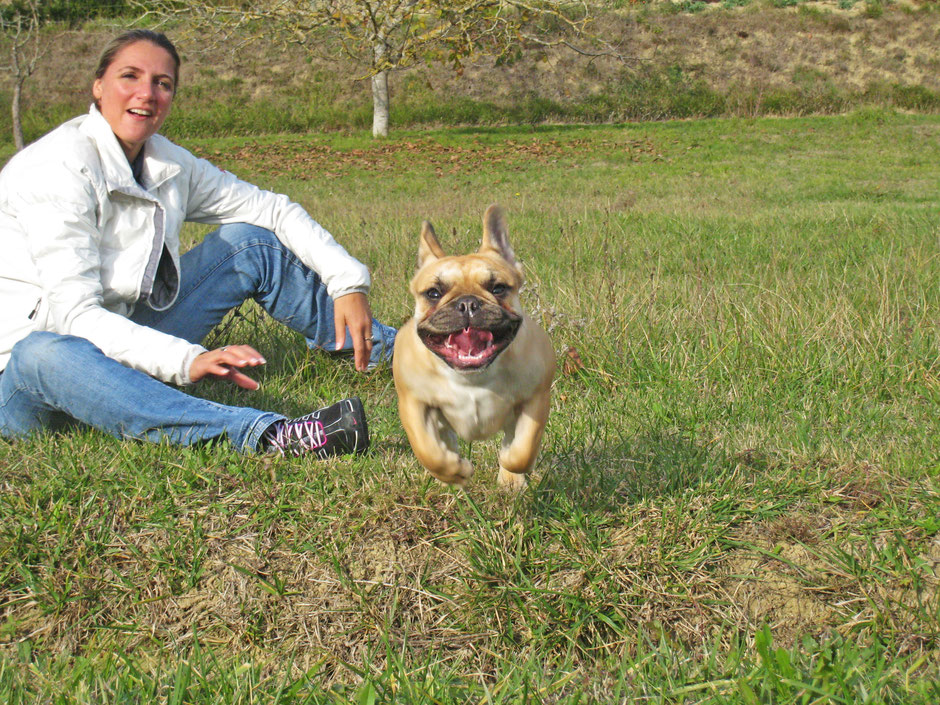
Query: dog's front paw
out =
(515, 481)
(456, 473)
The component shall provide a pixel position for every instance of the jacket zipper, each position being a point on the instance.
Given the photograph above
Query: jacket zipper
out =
(33, 313)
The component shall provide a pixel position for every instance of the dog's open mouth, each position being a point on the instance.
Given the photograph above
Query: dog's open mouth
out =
(470, 348)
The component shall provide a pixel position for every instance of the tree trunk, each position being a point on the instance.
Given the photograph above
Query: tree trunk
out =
(379, 90)
(380, 104)
(15, 109)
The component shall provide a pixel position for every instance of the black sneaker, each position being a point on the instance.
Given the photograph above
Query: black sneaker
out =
(334, 430)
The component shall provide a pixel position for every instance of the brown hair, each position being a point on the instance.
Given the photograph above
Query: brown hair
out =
(138, 35)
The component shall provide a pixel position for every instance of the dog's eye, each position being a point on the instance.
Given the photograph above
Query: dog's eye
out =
(499, 289)
(433, 294)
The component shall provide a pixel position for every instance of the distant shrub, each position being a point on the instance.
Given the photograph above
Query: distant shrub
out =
(692, 6)
(870, 115)
(459, 110)
(666, 93)
(915, 98)
(874, 9)
(781, 102)
(812, 12)
(70, 12)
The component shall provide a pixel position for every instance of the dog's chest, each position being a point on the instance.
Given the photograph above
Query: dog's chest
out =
(476, 413)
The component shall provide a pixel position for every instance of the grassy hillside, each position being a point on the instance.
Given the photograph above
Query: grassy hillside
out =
(689, 59)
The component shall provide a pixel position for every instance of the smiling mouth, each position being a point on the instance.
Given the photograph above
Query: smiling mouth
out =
(140, 112)
(470, 348)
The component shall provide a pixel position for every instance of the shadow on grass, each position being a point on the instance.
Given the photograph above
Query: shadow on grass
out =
(604, 477)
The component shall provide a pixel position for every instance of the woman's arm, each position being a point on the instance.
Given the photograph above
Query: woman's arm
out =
(59, 221)
(217, 196)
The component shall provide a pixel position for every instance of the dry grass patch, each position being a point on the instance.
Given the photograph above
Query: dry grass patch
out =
(841, 567)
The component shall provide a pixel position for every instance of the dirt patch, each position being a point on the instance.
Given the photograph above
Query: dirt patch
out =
(778, 592)
(793, 575)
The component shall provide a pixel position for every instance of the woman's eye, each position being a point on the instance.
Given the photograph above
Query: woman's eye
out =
(433, 294)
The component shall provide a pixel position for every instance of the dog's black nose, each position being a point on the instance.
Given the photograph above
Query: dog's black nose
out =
(468, 305)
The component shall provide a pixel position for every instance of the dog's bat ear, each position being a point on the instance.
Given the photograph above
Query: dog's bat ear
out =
(429, 248)
(496, 235)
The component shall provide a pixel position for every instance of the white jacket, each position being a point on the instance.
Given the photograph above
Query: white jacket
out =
(79, 240)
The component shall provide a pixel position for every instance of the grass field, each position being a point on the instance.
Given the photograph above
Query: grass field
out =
(738, 498)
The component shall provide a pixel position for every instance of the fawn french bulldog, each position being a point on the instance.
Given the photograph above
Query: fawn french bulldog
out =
(471, 362)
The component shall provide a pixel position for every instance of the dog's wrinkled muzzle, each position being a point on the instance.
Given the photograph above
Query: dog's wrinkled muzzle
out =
(469, 334)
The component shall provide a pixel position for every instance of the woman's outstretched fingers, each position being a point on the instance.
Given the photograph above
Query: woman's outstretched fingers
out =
(226, 363)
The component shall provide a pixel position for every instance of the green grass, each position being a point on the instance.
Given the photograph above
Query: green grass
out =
(737, 499)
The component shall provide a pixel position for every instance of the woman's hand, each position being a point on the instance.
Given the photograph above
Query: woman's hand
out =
(352, 311)
(225, 362)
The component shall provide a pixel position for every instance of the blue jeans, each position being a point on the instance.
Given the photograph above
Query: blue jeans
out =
(54, 380)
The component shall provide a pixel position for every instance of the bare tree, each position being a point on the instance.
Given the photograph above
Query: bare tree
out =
(21, 24)
(387, 35)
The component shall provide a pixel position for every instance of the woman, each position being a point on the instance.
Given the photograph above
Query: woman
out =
(98, 310)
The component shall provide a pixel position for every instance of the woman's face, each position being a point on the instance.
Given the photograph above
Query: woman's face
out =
(135, 93)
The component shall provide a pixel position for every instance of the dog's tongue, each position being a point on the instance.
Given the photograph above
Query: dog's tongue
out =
(470, 340)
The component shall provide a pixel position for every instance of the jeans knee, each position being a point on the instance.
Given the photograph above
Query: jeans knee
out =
(242, 235)
(41, 353)
(36, 351)
(255, 253)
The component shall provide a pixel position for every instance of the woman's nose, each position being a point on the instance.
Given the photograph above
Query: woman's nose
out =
(144, 89)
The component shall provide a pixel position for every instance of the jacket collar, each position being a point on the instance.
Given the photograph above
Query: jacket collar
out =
(158, 163)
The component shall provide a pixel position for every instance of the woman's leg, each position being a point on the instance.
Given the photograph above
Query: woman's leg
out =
(238, 262)
(51, 379)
